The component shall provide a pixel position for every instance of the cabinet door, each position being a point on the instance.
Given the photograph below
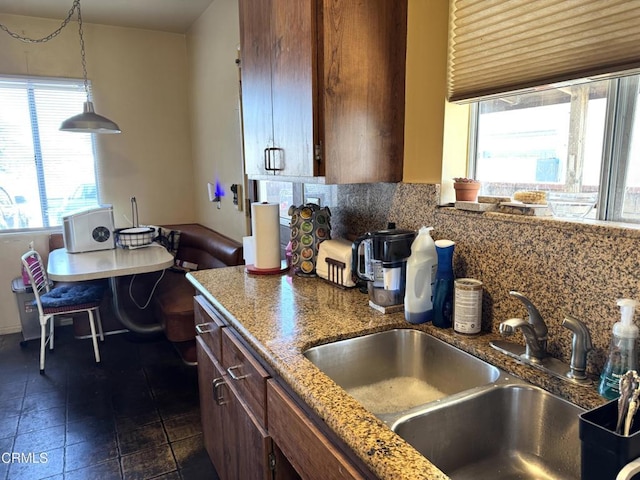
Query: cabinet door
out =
(248, 444)
(255, 68)
(210, 379)
(308, 450)
(293, 84)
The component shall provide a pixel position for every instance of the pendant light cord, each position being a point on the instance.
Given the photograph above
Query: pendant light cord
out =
(55, 33)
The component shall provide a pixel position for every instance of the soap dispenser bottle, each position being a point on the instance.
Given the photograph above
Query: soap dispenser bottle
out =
(421, 276)
(623, 354)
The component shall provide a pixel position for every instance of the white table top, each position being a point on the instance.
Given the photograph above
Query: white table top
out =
(75, 267)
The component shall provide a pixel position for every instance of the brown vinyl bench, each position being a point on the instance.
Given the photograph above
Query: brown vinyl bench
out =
(173, 301)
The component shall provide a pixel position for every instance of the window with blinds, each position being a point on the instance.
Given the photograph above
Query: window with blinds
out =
(499, 46)
(554, 89)
(44, 173)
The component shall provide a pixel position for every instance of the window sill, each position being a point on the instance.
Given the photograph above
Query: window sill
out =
(593, 227)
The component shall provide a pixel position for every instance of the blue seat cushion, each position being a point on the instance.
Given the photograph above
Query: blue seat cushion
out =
(72, 295)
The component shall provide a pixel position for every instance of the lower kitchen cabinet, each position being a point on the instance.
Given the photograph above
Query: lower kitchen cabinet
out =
(253, 428)
(306, 447)
(233, 405)
(238, 445)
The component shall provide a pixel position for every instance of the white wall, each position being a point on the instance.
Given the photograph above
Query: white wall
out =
(140, 80)
(215, 107)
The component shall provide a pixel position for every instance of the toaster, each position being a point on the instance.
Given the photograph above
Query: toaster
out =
(89, 230)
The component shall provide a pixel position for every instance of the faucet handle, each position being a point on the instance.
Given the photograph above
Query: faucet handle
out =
(535, 318)
(580, 346)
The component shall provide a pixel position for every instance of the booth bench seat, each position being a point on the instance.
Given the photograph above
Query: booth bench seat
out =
(199, 248)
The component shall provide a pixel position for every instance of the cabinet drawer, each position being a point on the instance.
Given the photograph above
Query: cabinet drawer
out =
(208, 325)
(304, 445)
(246, 374)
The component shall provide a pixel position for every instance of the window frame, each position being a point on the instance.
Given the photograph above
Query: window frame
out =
(622, 101)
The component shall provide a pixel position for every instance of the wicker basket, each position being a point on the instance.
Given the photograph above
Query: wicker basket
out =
(134, 237)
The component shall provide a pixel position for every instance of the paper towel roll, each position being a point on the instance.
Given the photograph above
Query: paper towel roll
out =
(265, 227)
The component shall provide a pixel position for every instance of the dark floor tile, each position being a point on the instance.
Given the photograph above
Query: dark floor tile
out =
(183, 426)
(8, 426)
(40, 440)
(40, 419)
(169, 476)
(11, 406)
(140, 397)
(109, 470)
(141, 419)
(191, 456)
(6, 445)
(133, 401)
(94, 408)
(53, 380)
(88, 453)
(96, 430)
(12, 389)
(37, 466)
(141, 438)
(148, 463)
(180, 403)
(44, 401)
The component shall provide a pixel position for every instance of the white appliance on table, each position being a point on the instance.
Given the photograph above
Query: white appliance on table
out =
(89, 230)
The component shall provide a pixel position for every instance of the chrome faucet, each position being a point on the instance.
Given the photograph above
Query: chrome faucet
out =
(534, 330)
(580, 346)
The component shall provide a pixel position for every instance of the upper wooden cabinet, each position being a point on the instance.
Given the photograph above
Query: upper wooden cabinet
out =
(323, 89)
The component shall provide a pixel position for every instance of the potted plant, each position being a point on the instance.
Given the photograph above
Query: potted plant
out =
(466, 189)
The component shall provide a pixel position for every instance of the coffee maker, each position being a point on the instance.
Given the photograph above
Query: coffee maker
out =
(380, 259)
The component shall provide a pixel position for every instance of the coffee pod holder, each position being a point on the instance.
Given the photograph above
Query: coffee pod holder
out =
(310, 226)
(605, 453)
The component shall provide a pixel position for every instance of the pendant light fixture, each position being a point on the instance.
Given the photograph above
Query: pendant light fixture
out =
(88, 121)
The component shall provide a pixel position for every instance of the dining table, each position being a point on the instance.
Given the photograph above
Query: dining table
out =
(110, 264)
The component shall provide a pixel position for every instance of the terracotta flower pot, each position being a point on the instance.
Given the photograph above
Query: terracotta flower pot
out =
(466, 191)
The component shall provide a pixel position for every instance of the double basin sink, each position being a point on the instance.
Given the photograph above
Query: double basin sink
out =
(469, 418)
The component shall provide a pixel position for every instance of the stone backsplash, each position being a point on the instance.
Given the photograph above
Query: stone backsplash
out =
(564, 267)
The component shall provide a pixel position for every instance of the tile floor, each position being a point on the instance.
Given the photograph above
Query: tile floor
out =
(134, 416)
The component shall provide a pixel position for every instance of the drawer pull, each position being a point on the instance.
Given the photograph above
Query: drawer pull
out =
(233, 374)
(218, 395)
(203, 328)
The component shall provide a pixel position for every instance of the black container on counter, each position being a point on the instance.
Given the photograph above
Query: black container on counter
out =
(604, 452)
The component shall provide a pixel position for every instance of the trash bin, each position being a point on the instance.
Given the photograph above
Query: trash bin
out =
(29, 318)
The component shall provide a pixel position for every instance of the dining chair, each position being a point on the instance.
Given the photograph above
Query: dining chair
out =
(64, 299)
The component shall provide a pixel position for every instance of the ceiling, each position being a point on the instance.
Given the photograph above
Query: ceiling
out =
(165, 15)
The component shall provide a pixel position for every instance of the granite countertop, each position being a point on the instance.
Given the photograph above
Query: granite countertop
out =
(280, 316)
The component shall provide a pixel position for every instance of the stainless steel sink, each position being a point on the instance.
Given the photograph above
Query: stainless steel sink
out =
(504, 432)
(469, 418)
(396, 370)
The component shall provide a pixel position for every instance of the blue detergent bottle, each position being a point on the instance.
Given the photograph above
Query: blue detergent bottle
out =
(443, 287)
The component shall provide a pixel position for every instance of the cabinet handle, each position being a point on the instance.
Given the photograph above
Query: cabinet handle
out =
(205, 328)
(218, 396)
(233, 374)
(267, 159)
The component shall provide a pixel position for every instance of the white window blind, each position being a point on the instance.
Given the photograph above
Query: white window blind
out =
(42, 168)
(499, 46)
